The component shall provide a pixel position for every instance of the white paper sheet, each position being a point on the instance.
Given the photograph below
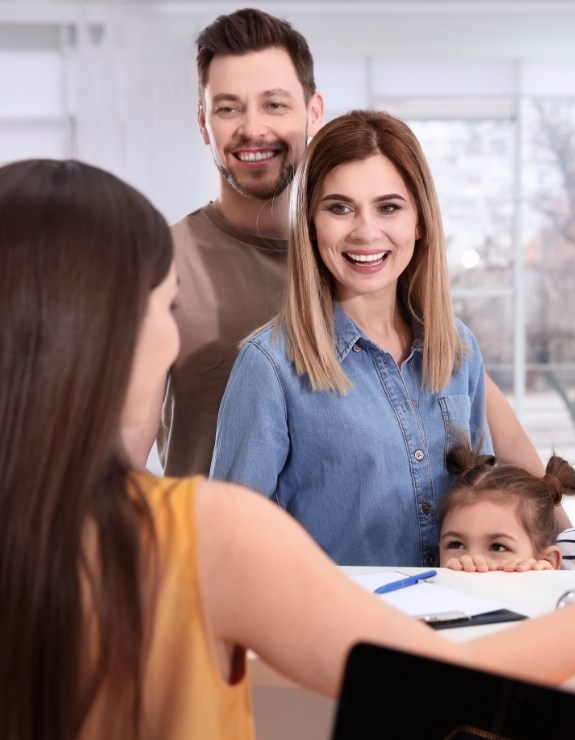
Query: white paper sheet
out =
(426, 598)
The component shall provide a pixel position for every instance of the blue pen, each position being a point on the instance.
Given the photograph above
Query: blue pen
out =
(403, 582)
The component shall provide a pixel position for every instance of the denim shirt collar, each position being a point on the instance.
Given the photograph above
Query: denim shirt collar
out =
(347, 334)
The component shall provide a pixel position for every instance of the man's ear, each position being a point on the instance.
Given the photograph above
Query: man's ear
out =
(315, 111)
(202, 123)
(552, 554)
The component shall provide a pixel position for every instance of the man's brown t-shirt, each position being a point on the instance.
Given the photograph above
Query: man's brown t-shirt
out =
(231, 282)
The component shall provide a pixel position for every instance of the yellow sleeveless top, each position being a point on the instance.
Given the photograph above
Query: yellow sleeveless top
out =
(185, 697)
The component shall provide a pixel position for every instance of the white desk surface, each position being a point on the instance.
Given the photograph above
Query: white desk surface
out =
(530, 593)
(284, 711)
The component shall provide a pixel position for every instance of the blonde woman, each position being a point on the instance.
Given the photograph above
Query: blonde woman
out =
(342, 409)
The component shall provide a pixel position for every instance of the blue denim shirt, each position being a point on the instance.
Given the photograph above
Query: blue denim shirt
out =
(364, 472)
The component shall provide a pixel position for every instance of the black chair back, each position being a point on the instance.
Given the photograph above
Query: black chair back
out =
(389, 694)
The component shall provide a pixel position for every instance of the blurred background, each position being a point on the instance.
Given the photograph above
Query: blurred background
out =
(487, 85)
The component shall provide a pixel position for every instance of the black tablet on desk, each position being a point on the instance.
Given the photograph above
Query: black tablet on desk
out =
(391, 694)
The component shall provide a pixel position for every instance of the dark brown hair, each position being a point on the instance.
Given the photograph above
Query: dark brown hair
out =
(249, 30)
(479, 478)
(79, 253)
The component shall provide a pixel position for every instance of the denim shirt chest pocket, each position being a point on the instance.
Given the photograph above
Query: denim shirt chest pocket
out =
(456, 413)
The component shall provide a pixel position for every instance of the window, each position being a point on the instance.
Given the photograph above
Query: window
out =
(33, 120)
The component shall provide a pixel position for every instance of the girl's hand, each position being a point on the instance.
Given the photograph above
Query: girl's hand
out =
(479, 564)
(522, 565)
(472, 564)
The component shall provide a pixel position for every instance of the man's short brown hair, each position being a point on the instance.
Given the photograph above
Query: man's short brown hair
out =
(249, 30)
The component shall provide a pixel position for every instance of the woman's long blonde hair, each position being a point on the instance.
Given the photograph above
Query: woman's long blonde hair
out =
(307, 313)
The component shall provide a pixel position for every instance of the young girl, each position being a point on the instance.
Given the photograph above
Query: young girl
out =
(500, 517)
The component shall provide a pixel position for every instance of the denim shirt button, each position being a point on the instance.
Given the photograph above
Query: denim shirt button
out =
(426, 508)
(431, 559)
(356, 347)
(419, 454)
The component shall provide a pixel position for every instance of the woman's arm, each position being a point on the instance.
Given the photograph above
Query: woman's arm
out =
(510, 442)
(269, 587)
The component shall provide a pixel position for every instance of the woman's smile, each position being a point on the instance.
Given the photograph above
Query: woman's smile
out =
(366, 226)
(366, 262)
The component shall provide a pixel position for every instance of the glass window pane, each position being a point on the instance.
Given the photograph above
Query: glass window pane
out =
(491, 321)
(28, 139)
(472, 165)
(549, 229)
(30, 84)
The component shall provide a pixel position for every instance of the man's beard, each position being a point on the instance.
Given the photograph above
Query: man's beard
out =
(263, 190)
